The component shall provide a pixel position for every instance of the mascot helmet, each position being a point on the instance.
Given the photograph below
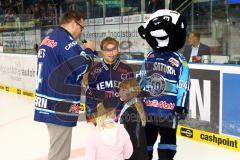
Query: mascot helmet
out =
(165, 30)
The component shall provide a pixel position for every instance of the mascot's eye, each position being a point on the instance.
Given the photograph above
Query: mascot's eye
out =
(166, 18)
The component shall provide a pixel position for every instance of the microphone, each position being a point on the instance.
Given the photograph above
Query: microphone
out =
(95, 53)
(84, 41)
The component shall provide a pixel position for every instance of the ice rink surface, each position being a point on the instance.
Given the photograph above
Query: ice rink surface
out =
(21, 138)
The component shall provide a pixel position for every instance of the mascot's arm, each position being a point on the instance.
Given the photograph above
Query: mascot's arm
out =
(183, 91)
(142, 75)
(142, 80)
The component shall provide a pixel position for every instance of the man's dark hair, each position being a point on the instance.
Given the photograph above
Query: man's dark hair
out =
(195, 34)
(71, 15)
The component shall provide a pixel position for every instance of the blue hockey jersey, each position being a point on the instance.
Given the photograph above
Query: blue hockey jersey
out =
(61, 65)
(165, 77)
(103, 83)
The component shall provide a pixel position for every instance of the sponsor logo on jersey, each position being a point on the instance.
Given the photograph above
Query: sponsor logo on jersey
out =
(160, 104)
(186, 132)
(155, 84)
(163, 68)
(74, 108)
(110, 94)
(49, 42)
(108, 84)
(174, 62)
(70, 45)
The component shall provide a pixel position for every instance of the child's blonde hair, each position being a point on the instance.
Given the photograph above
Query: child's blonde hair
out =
(102, 113)
(108, 40)
(133, 86)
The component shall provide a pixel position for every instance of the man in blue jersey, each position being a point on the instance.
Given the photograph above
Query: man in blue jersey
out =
(165, 79)
(105, 77)
(61, 66)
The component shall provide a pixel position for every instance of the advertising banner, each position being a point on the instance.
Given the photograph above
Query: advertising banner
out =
(17, 24)
(230, 104)
(204, 100)
(113, 20)
(224, 141)
(20, 40)
(18, 70)
(132, 18)
(127, 34)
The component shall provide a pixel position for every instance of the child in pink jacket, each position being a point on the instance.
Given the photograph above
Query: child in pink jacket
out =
(108, 140)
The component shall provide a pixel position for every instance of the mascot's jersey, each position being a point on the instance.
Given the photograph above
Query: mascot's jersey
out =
(103, 83)
(166, 80)
(61, 65)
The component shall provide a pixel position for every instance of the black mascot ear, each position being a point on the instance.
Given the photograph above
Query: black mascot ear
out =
(141, 32)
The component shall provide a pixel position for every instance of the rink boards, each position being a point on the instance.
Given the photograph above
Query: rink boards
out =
(214, 98)
(229, 142)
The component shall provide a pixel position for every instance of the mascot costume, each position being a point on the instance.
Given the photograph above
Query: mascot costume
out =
(165, 80)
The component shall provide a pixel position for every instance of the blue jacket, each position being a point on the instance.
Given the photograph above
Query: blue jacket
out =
(103, 83)
(61, 65)
(166, 80)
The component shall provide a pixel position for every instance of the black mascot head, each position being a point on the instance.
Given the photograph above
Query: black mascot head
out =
(165, 30)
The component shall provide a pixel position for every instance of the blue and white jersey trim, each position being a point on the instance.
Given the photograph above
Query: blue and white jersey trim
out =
(56, 99)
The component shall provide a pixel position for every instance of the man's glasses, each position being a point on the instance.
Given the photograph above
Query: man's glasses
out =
(79, 25)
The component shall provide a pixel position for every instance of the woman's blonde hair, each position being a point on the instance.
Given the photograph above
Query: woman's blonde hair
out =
(102, 113)
(133, 86)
